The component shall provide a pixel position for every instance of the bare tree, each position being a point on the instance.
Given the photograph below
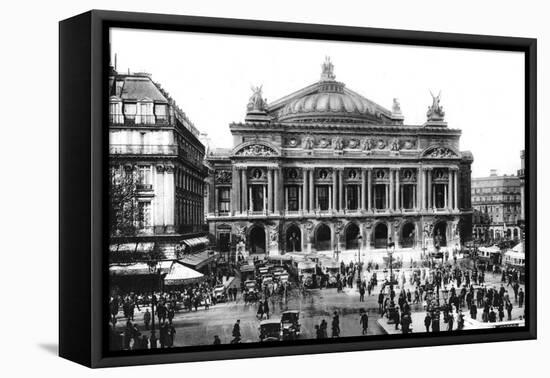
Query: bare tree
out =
(123, 209)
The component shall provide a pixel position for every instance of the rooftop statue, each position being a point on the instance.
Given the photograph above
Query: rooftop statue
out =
(256, 102)
(327, 72)
(435, 112)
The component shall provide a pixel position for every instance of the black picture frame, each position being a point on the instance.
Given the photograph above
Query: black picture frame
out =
(83, 72)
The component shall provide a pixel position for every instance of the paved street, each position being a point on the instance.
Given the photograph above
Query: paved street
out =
(199, 327)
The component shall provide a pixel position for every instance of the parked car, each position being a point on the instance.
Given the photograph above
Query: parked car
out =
(270, 330)
(290, 324)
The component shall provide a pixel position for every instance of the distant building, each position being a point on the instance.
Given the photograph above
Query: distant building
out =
(521, 175)
(496, 201)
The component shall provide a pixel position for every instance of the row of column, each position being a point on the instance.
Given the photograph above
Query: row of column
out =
(423, 191)
(450, 190)
(241, 200)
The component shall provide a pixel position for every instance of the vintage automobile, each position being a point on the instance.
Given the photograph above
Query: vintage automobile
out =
(306, 273)
(331, 269)
(250, 292)
(290, 324)
(270, 330)
(267, 280)
(220, 293)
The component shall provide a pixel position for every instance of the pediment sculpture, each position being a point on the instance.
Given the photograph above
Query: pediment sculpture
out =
(440, 153)
(256, 150)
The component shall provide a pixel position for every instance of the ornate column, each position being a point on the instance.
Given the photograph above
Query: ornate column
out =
(264, 207)
(392, 194)
(363, 189)
(455, 181)
(449, 201)
(445, 198)
(277, 190)
(249, 197)
(235, 191)
(286, 199)
(429, 173)
(330, 198)
(420, 195)
(269, 190)
(304, 190)
(244, 192)
(397, 192)
(340, 189)
(369, 189)
(334, 206)
(386, 187)
(311, 190)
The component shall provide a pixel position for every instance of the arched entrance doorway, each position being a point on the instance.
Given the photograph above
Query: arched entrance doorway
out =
(440, 234)
(257, 239)
(407, 235)
(293, 239)
(322, 238)
(516, 234)
(380, 235)
(352, 232)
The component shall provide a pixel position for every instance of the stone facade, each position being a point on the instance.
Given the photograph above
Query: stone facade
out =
(152, 138)
(497, 204)
(325, 168)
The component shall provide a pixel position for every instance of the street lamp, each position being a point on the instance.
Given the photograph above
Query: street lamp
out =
(359, 239)
(336, 251)
(390, 252)
(154, 269)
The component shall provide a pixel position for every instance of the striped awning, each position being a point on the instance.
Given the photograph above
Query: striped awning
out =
(198, 260)
(180, 274)
(193, 242)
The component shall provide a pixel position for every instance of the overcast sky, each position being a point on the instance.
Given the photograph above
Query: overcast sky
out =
(210, 76)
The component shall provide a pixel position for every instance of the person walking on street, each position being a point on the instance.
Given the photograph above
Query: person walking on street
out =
(361, 293)
(236, 332)
(266, 309)
(217, 340)
(521, 297)
(147, 318)
(473, 311)
(364, 321)
(427, 322)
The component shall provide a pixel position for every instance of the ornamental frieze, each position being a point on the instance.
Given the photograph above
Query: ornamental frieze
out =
(223, 177)
(256, 150)
(440, 153)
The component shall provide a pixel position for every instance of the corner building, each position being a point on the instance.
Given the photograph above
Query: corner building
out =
(327, 169)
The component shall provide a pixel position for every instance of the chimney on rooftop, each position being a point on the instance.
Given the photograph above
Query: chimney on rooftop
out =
(493, 172)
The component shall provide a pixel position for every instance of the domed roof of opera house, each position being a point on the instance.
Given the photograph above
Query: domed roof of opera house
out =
(329, 101)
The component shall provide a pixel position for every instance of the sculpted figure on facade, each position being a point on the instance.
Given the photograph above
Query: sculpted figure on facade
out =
(440, 153)
(381, 144)
(240, 231)
(338, 143)
(308, 142)
(367, 144)
(223, 177)
(395, 145)
(256, 150)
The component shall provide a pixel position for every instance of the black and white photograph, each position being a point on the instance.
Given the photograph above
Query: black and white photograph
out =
(270, 191)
